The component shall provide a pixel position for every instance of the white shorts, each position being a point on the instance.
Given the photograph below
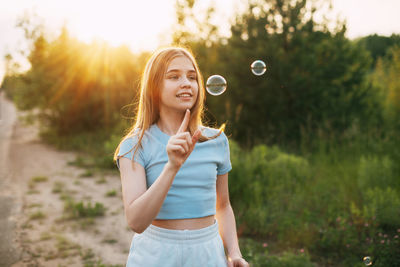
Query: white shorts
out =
(160, 247)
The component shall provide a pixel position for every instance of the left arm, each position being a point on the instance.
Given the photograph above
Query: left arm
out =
(227, 224)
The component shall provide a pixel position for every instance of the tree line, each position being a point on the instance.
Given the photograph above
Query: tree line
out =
(318, 82)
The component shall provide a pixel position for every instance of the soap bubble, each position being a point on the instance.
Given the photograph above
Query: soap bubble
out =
(367, 261)
(216, 85)
(258, 67)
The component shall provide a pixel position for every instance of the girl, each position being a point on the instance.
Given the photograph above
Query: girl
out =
(174, 172)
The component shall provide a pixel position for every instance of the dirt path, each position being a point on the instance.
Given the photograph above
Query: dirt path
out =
(36, 187)
(9, 204)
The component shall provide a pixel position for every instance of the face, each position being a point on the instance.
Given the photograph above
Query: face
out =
(180, 88)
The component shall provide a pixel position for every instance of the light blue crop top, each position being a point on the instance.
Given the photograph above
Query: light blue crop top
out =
(193, 191)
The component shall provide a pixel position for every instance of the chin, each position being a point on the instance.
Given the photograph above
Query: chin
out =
(187, 106)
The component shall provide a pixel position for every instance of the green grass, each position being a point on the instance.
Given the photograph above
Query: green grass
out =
(110, 241)
(32, 184)
(39, 179)
(35, 205)
(88, 258)
(45, 236)
(33, 192)
(318, 200)
(95, 147)
(64, 248)
(87, 173)
(38, 215)
(83, 209)
(101, 180)
(111, 193)
(258, 254)
(310, 203)
(58, 187)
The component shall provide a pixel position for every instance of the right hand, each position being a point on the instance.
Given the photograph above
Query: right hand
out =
(181, 144)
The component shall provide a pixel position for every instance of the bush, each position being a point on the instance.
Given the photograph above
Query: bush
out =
(267, 188)
(384, 205)
(386, 251)
(376, 172)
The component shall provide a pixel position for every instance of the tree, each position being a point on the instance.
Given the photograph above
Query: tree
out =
(378, 45)
(385, 79)
(314, 78)
(76, 87)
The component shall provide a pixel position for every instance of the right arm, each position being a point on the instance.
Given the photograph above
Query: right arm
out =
(141, 204)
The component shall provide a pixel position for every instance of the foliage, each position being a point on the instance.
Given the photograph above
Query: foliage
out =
(377, 45)
(39, 179)
(338, 211)
(82, 210)
(266, 177)
(317, 141)
(376, 172)
(258, 255)
(76, 87)
(38, 215)
(385, 79)
(384, 205)
(314, 79)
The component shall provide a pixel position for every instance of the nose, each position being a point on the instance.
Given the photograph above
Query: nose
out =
(186, 82)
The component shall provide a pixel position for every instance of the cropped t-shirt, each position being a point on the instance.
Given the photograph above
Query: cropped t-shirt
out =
(193, 191)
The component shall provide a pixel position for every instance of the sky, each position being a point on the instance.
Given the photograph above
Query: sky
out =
(144, 25)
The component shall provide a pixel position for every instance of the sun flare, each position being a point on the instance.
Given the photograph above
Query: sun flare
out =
(137, 23)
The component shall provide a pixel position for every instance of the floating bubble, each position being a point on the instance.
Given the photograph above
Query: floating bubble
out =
(216, 85)
(258, 67)
(367, 261)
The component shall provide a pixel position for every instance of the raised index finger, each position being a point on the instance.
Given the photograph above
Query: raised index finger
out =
(185, 122)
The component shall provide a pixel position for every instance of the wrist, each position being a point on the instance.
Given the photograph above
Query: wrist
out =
(235, 255)
(172, 167)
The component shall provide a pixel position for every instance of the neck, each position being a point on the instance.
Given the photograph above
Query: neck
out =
(170, 121)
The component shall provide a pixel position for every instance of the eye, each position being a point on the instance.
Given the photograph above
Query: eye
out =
(192, 77)
(173, 77)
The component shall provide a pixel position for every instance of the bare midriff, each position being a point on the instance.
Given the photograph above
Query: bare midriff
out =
(185, 224)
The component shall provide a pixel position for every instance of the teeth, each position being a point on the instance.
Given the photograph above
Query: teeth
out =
(183, 95)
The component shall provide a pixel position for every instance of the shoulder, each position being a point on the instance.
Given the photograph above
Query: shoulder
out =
(127, 144)
(132, 139)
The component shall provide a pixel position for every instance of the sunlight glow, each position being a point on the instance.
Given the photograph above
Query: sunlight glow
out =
(139, 24)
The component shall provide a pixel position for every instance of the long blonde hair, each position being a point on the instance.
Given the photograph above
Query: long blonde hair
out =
(147, 112)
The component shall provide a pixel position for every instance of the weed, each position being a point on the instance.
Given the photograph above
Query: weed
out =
(82, 210)
(64, 249)
(32, 183)
(110, 241)
(79, 162)
(87, 173)
(27, 225)
(84, 223)
(87, 254)
(45, 236)
(111, 193)
(35, 205)
(58, 187)
(101, 180)
(38, 215)
(39, 179)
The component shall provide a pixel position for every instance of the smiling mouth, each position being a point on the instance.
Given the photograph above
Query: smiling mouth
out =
(184, 95)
